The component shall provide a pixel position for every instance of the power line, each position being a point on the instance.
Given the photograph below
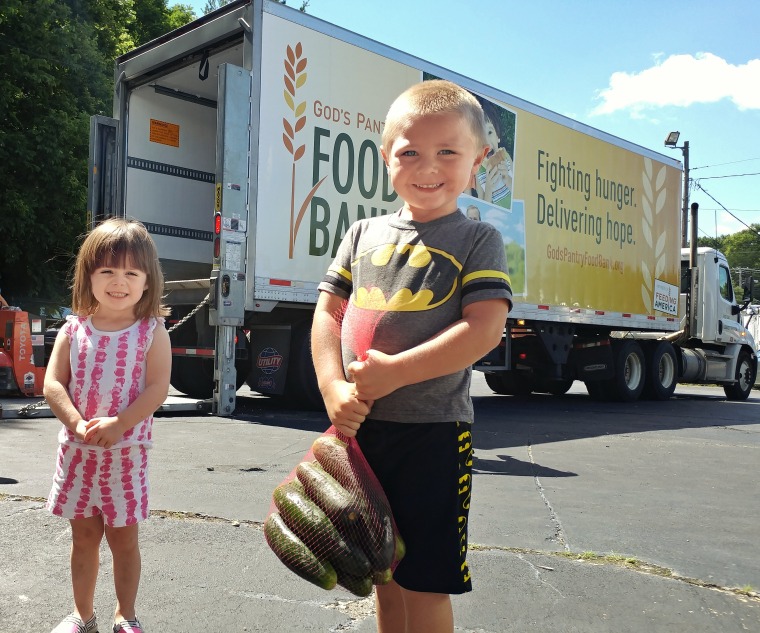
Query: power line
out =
(745, 160)
(757, 173)
(699, 186)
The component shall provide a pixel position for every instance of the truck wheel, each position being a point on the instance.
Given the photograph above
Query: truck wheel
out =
(554, 387)
(508, 384)
(495, 383)
(745, 378)
(661, 371)
(628, 382)
(193, 376)
(301, 382)
(599, 390)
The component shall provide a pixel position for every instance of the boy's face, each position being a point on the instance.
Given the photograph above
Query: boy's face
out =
(432, 162)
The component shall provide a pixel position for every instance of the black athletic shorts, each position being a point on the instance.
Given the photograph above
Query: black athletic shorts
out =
(425, 470)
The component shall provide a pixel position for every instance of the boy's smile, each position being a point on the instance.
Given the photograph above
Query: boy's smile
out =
(431, 163)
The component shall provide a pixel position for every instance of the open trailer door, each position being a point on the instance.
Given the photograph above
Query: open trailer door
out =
(231, 223)
(102, 169)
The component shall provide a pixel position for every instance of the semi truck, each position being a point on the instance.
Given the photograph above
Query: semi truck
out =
(247, 142)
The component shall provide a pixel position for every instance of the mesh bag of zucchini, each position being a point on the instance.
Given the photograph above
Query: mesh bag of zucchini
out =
(330, 521)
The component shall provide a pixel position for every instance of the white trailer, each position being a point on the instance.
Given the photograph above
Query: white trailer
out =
(248, 141)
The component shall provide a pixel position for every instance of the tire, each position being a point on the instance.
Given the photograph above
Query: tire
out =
(508, 384)
(599, 390)
(301, 385)
(560, 387)
(194, 376)
(556, 387)
(496, 384)
(661, 371)
(745, 378)
(630, 371)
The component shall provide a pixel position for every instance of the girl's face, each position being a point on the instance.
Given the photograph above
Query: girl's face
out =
(492, 138)
(118, 288)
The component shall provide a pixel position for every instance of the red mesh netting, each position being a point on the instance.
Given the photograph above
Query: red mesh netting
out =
(330, 521)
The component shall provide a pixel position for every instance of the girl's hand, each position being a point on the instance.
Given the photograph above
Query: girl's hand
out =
(103, 432)
(345, 410)
(80, 430)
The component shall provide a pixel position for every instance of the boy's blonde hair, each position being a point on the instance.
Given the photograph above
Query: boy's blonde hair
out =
(118, 242)
(433, 97)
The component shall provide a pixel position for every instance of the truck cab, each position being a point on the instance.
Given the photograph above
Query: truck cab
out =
(717, 311)
(717, 347)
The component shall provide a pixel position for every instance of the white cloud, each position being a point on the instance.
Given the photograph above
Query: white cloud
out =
(683, 80)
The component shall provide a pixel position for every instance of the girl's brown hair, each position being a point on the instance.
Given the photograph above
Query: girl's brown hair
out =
(119, 242)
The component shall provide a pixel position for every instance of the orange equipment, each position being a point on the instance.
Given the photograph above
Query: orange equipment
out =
(22, 353)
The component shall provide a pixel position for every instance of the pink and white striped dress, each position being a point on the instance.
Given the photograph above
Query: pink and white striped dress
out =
(107, 375)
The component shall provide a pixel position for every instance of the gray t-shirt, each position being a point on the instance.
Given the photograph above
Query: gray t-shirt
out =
(407, 281)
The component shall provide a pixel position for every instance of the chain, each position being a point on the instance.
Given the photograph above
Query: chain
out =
(28, 410)
(190, 314)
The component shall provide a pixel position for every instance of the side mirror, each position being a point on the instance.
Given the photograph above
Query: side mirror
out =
(736, 309)
(748, 287)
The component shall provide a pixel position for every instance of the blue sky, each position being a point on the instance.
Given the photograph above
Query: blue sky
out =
(637, 70)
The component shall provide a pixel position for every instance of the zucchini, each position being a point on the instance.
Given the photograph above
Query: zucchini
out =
(358, 585)
(309, 523)
(324, 490)
(332, 455)
(382, 577)
(294, 554)
(400, 550)
(384, 545)
(374, 532)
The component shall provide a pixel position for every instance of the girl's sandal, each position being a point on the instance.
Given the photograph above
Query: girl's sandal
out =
(74, 624)
(128, 626)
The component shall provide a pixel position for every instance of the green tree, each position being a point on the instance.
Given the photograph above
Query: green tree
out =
(52, 77)
(153, 18)
(56, 71)
(179, 15)
(742, 250)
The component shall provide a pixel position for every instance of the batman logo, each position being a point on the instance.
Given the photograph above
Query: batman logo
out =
(390, 285)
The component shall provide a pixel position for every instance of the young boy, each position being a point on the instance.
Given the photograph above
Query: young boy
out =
(438, 284)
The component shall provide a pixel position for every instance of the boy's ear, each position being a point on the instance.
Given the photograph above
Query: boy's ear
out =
(479, 158)
(384, 155)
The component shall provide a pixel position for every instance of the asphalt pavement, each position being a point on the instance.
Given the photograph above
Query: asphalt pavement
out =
(535, 566)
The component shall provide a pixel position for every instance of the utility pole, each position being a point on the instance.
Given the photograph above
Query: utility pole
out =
(685, 210)
(672, 141)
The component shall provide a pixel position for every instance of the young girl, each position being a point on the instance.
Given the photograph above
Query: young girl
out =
(108, 372)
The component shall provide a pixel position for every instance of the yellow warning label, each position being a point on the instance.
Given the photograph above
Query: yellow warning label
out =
(218, 197)
(164, 133)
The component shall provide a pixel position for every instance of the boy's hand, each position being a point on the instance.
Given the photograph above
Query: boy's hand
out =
(103, 432)
(375, 377)
(345, 410)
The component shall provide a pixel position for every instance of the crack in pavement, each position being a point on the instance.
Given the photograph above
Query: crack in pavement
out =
(630, 563)
(539, 576)
(559, 533)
